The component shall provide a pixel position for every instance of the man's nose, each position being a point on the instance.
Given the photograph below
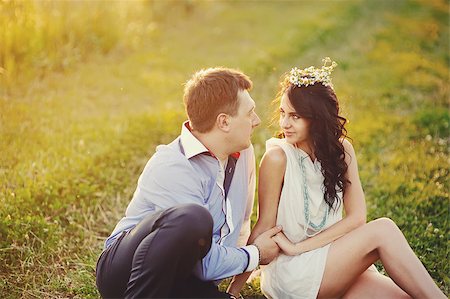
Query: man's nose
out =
(257, 121)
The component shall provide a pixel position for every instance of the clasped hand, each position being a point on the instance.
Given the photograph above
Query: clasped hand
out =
(267, 245)
(286, 245)
(271, 241)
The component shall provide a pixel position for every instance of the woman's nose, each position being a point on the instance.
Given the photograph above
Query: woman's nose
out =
(284, 122)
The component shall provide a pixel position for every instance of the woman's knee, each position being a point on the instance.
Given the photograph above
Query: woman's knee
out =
(386, 223)
(384, 227)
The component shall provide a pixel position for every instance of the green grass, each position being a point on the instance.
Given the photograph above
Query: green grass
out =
(74, 139)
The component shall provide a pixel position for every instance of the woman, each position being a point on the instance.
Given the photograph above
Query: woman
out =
(306, 179)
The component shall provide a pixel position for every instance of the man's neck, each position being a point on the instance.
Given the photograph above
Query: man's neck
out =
(214, 143)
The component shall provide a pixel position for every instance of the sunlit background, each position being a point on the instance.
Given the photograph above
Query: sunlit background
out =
(89, 88)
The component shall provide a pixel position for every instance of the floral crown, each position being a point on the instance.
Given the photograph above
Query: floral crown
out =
(311, 75)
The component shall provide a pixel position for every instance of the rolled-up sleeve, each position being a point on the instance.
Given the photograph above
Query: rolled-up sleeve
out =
(222, 262)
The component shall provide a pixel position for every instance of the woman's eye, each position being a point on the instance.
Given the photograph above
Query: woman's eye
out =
(295, 117)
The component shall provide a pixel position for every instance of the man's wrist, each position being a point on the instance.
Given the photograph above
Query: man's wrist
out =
(248, 259)
(253, 255)
(259, 253)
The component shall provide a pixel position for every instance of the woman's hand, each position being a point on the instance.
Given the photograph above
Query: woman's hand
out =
(286, 245)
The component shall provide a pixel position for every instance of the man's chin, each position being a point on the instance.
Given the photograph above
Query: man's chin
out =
(244, 146)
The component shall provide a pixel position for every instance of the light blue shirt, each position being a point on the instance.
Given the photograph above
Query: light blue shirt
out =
(181, 172)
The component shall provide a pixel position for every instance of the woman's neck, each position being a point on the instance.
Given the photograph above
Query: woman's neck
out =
(307, 148)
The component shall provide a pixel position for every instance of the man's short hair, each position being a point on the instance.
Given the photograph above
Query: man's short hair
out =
(210, 92)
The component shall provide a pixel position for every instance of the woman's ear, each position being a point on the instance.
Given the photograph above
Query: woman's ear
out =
(223, 122)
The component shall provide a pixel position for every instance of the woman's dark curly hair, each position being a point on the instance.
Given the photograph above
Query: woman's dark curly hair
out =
(319, 104)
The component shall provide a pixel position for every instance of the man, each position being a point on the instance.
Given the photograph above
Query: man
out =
(193, 202)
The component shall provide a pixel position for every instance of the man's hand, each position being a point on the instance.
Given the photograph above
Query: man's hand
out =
(267, 246)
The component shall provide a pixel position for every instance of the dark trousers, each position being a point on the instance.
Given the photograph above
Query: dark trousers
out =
(156, 258)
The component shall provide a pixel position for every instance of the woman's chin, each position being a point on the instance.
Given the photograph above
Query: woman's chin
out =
(290, 139)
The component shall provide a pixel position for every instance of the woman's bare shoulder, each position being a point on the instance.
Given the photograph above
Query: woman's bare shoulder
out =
(348, 147)
(275, 157)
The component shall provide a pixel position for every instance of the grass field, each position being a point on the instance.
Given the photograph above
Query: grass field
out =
(89, 89)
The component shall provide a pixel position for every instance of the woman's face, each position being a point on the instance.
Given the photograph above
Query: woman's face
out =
(295, 128)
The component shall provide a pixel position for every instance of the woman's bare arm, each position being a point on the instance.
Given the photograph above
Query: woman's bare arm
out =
(270, 182)
(355, 212)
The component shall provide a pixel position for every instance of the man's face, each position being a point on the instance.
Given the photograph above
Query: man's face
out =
(243, 123)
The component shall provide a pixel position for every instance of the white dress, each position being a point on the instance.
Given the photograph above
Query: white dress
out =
(299, 276)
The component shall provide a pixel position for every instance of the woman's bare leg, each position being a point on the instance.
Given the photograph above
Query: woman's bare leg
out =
(373, 285)
(351, 255)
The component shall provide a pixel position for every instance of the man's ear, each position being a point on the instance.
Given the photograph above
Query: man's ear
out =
(223, 122)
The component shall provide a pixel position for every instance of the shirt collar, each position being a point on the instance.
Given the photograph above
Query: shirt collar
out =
(192, 146)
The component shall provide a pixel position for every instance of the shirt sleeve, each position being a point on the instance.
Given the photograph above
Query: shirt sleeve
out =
(166, 182)
(221, 262)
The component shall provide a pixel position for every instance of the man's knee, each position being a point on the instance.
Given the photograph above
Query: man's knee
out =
(193, 219)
